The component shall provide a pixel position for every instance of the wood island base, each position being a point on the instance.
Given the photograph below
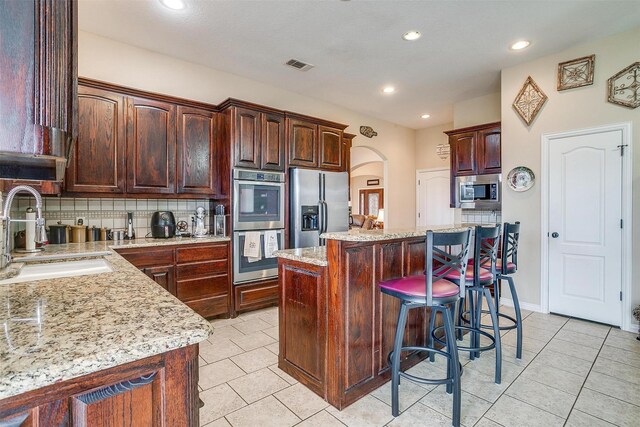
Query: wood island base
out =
(161, 390)
(336, 327)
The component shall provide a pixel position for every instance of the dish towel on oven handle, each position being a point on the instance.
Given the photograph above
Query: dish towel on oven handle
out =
(252, 246)
(270, 243)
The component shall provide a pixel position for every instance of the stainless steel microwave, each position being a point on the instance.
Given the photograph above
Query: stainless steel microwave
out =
(479, 192)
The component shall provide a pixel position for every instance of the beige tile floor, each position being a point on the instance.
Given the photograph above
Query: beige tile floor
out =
(572, 373)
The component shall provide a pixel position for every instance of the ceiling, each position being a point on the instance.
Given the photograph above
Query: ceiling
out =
(357, 46)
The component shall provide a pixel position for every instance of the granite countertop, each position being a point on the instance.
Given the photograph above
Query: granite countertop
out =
(359, 235)
(316, 255)
(59, 329)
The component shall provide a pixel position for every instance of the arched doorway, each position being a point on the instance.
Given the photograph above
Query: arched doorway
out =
(368, 182)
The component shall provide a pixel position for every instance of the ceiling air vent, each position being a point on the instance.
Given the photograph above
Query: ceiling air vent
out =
(299, 65)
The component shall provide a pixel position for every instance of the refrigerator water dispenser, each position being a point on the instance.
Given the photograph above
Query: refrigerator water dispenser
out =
(310, 218)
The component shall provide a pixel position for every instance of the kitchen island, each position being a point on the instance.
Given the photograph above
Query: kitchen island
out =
(336, 327)
(104, 349)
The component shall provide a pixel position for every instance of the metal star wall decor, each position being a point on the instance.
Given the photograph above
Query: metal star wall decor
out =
(576, 73)
(529, 101)
(624, 87)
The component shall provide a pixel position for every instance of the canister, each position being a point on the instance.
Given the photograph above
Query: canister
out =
(78, 233)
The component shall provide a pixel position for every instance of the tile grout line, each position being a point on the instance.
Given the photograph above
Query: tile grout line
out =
(587, 377)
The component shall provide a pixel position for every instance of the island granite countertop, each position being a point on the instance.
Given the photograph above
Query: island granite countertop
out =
(316, 255)
(64, 328)
(359, 235)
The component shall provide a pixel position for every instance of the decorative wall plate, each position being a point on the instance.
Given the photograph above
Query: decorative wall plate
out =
(368, 131)
(443, 151)
(576, 73)
(521, 178)
(529, 101)
(624, 87)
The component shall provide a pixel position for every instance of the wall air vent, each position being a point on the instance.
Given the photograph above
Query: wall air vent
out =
(299, 65)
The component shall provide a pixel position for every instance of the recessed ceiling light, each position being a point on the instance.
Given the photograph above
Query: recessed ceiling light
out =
(520, 44)
(173, 4)
(425, 116)
(389, 89)
(411, 35)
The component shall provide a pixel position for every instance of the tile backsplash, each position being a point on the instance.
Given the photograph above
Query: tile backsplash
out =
(109, 213)
(481, 217)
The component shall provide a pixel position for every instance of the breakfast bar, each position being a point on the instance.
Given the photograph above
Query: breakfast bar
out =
(336, 327)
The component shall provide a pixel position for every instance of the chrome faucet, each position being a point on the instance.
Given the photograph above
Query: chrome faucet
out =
(41, 234)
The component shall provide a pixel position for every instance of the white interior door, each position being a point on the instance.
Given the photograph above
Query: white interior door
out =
(433, 198)
(585, 236)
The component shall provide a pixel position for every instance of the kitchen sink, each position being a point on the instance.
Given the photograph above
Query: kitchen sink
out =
(53, 270)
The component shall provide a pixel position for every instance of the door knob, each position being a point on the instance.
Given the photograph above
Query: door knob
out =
(555, 235)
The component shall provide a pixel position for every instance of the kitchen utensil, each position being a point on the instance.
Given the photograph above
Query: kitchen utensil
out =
(58, 233)
(163, 225)
(131, 234)
(78, 233)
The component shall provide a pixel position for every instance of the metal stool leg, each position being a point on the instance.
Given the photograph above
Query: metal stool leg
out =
(472, 315)
(395, 358)
(516, 307)
(455, 365)
(478, 321)
(432, 324)
(496, 332)
(496, 295)
(460, 319)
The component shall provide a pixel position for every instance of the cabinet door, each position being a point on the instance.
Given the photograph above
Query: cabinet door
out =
(303, 143)
(98, 160)
(247, 138)
(196, 152)
(163, 276)
(330, 144)
(272, 153)
(489, 153)
(463, 153)
(151, 146)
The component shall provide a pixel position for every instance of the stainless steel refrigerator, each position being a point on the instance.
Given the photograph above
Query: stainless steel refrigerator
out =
(319, 204)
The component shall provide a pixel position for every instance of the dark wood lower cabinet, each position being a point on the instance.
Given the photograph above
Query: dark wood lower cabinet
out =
(337, 328)
(161, 390)
(198, 274)
(255, 295)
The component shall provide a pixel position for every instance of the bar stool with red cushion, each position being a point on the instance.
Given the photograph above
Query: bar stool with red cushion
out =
(431, 290)
(506, 265)
(481, 276)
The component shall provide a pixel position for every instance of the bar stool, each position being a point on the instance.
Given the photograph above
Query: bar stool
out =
(482, 276)
(506, 265)
(441, 295)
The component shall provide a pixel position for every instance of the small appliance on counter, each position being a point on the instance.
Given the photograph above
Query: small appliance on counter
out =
(219, 222)
(200, 230)
(163, 225)
(131, 234)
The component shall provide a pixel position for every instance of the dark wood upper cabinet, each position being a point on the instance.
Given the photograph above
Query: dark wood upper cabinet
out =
(197, 166)
(38, 84)
(151, 146)
(273, 131)
(330, 145)
(303, 143)
(247, 138)
(475, 150)
(463, 153)
(97, 163)
(489, 150)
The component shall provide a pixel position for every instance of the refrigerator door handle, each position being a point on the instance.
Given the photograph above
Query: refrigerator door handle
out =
(326, 217)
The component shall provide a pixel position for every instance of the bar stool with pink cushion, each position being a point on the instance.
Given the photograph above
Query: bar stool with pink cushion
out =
(432, 290)
(480, 276)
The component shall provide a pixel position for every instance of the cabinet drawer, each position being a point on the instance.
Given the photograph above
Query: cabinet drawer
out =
(147, 258)
(200, 269)
(255, 296)
(202, 253)
(198, 288)
(209, 307)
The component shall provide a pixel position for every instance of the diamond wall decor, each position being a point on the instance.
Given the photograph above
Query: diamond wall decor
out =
(624, 87)
(529, 101)
(576, 73)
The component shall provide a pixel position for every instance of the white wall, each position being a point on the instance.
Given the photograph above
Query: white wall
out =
(104, 59)
(476, 111)
(427, 140)
(568, 110)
